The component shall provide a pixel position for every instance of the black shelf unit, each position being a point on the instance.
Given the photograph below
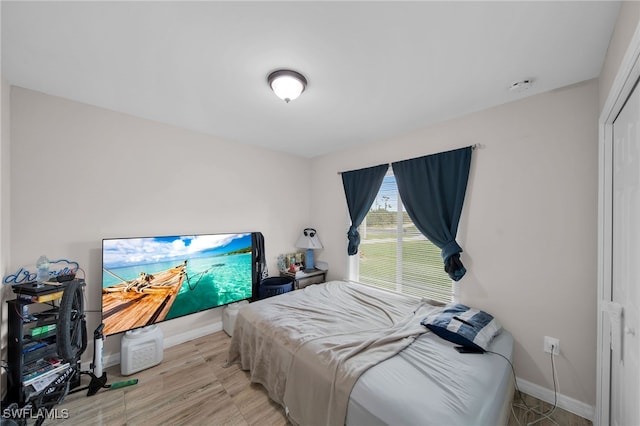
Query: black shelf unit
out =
(29, 351)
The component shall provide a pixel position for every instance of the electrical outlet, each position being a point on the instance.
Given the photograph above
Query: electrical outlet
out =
(551, 343)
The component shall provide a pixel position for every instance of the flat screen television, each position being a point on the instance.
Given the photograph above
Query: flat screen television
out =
(153, 279)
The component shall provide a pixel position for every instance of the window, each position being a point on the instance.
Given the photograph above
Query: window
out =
(394, 255)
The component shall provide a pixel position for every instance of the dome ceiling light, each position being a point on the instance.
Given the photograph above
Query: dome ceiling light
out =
(287, 84)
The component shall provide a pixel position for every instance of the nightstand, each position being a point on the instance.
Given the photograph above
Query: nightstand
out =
(302, 279)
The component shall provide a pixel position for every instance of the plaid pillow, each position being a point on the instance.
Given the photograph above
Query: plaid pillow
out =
(465, 326)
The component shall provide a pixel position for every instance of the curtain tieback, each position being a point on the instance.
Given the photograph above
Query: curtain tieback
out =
(452, 264)
(354, 240)
(449, 249)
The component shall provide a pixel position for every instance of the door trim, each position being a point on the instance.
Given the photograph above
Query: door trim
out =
(628, 74)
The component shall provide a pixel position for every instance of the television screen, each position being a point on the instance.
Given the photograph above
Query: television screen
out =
(149, 280)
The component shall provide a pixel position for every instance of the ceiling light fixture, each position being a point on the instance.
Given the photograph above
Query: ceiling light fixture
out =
(287, 84)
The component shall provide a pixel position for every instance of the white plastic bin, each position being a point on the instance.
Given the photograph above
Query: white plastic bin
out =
(229, 314)
(140, 349)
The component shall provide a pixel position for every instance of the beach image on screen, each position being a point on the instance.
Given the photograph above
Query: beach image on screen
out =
(149, 280)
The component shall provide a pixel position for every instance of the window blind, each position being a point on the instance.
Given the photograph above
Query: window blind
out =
(394, 255)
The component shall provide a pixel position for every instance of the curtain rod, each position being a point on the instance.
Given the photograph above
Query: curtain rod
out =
(473, 147)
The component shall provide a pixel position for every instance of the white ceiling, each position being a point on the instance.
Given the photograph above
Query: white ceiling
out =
(375, 69)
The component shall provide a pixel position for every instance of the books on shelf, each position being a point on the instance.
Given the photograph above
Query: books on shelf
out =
(33, 289)
(32, 346)
(40, 350)
(43, 381)
(48, 381)
(40, 298)
(43, 369)
(43, 331)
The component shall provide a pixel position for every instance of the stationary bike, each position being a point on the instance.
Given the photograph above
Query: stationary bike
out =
(72, 341)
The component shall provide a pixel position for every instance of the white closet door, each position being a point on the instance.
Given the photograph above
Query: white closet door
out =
(625, 355)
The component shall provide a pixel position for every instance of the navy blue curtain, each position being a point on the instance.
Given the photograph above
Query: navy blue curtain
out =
(360, 188)
(432, 189)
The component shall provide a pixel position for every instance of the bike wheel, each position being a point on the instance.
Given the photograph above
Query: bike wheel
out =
(71, 327)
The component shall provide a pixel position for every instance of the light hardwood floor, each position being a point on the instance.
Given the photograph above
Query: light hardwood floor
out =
(192, 387)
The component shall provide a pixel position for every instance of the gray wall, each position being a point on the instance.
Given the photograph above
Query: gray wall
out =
(5, 291)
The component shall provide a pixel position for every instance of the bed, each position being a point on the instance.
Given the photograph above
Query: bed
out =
(344, 353)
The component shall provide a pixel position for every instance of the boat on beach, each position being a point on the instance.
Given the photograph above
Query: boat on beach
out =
(142, 301)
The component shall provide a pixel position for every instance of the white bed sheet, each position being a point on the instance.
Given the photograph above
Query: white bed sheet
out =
(435, 385)
(427, 383)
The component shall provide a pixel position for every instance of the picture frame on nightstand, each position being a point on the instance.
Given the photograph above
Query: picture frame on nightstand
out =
(284, 261)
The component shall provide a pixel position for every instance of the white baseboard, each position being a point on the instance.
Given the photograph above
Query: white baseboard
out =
(192, 334)
(114, 358)
(566, 403)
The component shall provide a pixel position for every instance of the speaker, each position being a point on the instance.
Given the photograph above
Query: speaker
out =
(141, 349)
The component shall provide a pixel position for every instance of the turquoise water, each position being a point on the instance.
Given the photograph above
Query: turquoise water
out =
(212, 281)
